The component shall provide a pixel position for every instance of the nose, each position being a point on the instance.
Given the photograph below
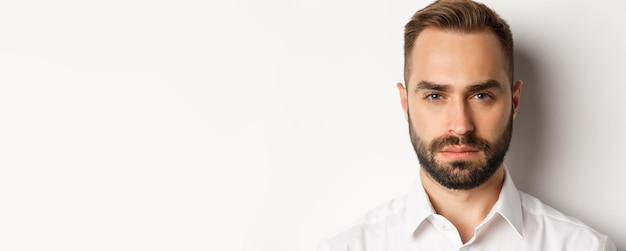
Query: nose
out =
(460, 119)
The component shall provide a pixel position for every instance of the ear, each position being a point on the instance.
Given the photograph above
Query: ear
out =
(517, 92)
(403, 100)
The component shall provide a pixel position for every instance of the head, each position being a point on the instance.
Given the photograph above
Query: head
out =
(459, 96)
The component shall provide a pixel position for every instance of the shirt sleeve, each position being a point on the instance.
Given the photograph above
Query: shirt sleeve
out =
(609, 245)
(336, 245)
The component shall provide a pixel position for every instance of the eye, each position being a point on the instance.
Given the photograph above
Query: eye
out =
(482, 96)
(433, 96)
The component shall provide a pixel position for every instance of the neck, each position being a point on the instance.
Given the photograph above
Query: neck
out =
(464, 208)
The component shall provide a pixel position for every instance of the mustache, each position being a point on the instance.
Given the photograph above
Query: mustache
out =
(469, 140)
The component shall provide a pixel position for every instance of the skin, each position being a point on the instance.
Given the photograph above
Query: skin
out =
(451, 62)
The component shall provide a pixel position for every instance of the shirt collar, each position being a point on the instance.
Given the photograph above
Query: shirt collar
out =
(418, 206)
(509, 206)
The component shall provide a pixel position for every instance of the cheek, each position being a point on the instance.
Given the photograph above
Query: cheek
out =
(490, 126)
(426, 124)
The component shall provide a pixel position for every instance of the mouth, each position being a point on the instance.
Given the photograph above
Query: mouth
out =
(459, 152)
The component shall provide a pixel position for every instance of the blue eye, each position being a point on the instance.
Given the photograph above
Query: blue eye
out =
(433, 96)
(482, 96)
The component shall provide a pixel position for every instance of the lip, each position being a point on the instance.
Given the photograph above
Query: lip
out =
(459, 149)
(459, 152)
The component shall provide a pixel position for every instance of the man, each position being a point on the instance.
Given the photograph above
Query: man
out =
(460, 100)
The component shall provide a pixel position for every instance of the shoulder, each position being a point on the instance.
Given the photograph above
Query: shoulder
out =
(378, 223)
(549, 226)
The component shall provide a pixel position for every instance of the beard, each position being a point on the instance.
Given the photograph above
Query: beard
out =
(462, 174)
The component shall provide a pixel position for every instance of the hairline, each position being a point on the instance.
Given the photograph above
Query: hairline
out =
(409, 54)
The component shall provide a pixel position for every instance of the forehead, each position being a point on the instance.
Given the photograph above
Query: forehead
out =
(457, 58)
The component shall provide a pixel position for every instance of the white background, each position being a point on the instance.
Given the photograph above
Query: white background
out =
(267, 125)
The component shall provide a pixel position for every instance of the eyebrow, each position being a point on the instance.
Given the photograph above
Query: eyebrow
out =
(425, 85)
(485, 85)
(491, 83)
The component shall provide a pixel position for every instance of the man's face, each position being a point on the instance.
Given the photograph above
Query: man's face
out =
(459, 105)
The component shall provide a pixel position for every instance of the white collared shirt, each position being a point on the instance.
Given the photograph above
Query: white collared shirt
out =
(517, 221)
